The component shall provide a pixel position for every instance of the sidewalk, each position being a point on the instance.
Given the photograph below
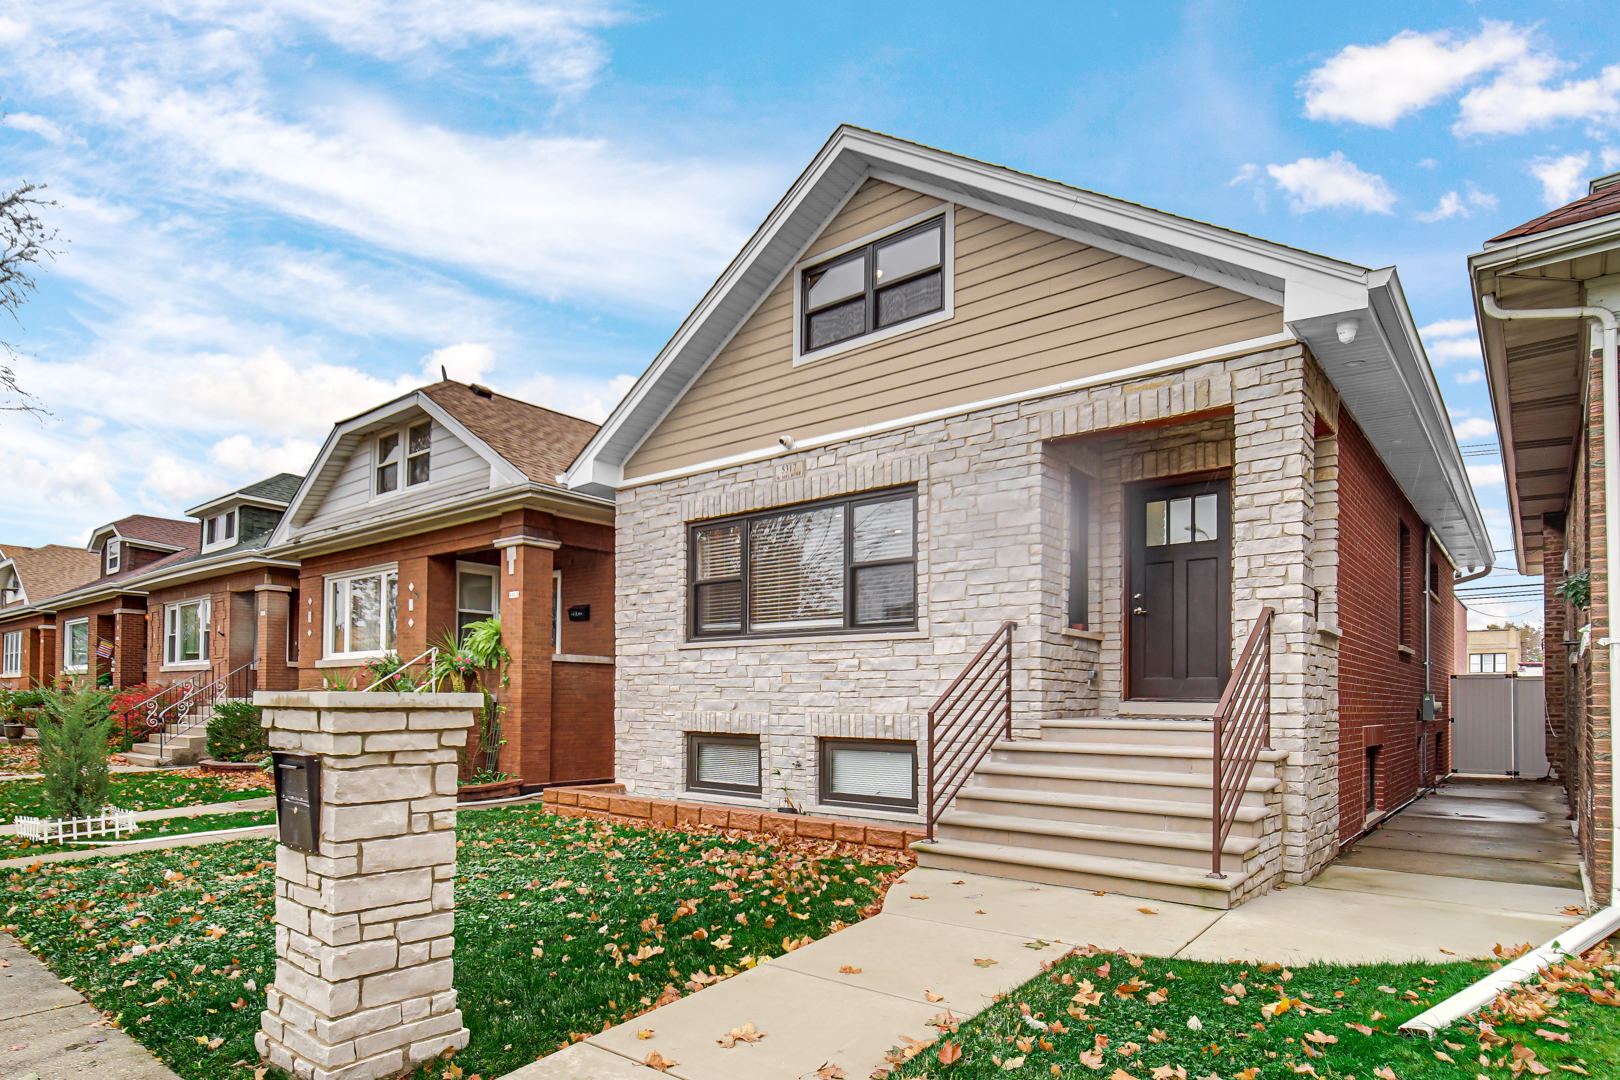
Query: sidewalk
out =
(49, 1030)
(936, 924)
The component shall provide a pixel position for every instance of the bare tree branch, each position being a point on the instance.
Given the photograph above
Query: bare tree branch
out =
(24, 241)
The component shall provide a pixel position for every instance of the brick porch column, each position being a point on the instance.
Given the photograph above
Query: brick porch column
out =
(365, 925)
(271, 605)
(129, 647)
(411, 627)
(525, 585)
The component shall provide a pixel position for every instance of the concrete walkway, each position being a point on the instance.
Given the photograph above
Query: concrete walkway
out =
(48, 1030)
(937, 926)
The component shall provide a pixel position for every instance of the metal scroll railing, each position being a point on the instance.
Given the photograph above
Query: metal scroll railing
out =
(973, 712)
(1242, 730)
(180, 713)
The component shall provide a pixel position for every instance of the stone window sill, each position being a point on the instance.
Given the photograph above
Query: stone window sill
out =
(1084, 635)
(865, 813)
(579, 658)
(1406, 650)
(356, 660)
(774, 642)
(199, 665)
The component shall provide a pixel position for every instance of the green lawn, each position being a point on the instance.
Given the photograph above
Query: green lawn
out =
(16, 847)
(563, 925)
(1117, 1017)
(129, 791)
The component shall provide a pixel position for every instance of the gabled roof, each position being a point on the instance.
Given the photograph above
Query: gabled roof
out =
(275, 492)
(1382, 374)
(143, 530)
(53, 569)
(539, 441)
(1602, 200)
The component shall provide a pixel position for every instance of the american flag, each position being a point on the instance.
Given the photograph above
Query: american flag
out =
(104, 648)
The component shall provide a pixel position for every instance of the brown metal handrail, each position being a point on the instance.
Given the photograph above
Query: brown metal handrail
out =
(972, 713)
(1242, 730)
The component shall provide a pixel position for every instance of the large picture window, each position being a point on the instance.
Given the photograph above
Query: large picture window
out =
(723, 764)
(830, 567)
(11, 653)
(888, 282)
(874, 773)
(361, 613)
(185, 632)
(76, 646)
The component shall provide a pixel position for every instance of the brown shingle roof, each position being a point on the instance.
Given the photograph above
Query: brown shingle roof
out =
(53, 569)
(539, 441)
(1600, 203)
(138, 527)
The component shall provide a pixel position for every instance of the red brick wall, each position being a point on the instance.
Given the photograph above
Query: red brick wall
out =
(233, 621)
(1381, 685)
(587, 578)
(128, 665)
(38, 659)
(581, 721)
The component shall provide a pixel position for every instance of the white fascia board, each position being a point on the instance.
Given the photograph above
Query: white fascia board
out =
(1555, 245)
(311, 478)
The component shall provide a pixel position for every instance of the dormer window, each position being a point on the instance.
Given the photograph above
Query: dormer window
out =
(868, 289)
(115, 555)
(220, 530)
(407, 451)
(11, 592)
(230, 524)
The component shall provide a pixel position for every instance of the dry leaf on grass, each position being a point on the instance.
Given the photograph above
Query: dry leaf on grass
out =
(746, 1034)
(1363, 1028)
(1555, 1036)
(1091, 1059)
(950, 1052)
(1384, 1072)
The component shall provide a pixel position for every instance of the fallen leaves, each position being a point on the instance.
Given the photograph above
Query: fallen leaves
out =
(950, 1052)
(745, 1034)
(645, 1033)
(931, 996)
(984, 963)
(1147, 911)
(847, 970)
(655, 1060)
(829, 1071)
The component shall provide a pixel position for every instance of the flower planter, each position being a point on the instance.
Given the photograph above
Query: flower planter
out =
(209, 765)
(502, 789)
(13, 733)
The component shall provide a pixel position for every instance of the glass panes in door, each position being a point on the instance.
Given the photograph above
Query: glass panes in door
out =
(476, 599)
(1187, 520)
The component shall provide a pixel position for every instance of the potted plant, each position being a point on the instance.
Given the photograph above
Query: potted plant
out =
(11, 716)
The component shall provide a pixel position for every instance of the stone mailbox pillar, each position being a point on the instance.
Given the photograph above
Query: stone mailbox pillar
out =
(365, 924)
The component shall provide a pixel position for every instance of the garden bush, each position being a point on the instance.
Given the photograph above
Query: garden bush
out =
(73, 753)
(234, 733)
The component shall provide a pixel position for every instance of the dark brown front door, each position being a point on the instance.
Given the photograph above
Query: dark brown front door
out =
(1180, 590)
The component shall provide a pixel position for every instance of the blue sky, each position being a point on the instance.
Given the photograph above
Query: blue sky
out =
(282, 212)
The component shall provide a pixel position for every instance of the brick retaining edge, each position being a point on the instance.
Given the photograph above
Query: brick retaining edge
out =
(610, 802)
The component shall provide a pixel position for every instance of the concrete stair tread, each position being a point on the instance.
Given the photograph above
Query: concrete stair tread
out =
(1148, 750)
(1096, 865)
(1129, 723)
(1235, 845)
(1118, 776)
(137, 757)
(1120, 803)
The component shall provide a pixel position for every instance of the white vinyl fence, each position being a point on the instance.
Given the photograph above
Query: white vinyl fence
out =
(1501, 725)
(111, 821)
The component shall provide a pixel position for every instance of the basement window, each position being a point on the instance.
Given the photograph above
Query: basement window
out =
(875, 774)
(723, 764)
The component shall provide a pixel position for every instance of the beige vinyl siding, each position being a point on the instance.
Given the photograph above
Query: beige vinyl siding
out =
(1031, 309)
(454, 469)
(874, 206)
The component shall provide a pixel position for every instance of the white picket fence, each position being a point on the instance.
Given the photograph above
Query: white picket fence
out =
(111, 821)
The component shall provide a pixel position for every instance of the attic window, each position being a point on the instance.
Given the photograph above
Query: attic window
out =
(115, 556)
(890, 281)
(414, 445)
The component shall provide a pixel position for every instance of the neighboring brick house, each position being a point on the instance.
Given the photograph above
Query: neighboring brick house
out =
(930, 395)
(441, 508)
(28, 578)
(101, 626)
(1547, 295)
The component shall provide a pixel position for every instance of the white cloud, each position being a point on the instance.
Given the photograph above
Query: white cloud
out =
(1562, 179)
(242, 456)
(1444, 352)
(464, 363)
(1450, 206)
(589, 400)
(1379, 84)
(1484, 475)
(176, 481)
(1332, 182)
(39, 125)
(1470, 377)
(1519, 99)
(1446, 328)
(1611, 157)
(1245, 173)
(1474, 430)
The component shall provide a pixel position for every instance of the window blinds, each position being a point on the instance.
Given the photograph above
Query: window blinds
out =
(735, 764)
(871, 773)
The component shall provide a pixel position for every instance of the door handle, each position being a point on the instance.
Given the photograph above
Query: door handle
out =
(1139, 611)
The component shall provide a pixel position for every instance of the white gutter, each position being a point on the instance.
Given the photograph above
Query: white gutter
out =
(1572, 942)
(1608, 329)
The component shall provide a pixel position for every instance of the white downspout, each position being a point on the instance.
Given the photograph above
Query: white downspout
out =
(1608, 330)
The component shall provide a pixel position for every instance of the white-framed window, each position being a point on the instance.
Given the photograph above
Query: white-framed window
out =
(360, 613)
(404, 458)
(11, 653)
(185, 632)
(556, 611)
(1487, 663)
(11, 591)
(115, 555)
(76, 646)
(220, 530)
(478, 595)
(887, 283)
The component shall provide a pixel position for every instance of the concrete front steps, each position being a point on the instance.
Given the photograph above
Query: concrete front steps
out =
(186, 747)
(1116, 804)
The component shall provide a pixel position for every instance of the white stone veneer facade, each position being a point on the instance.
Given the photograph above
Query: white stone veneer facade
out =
(991, 519)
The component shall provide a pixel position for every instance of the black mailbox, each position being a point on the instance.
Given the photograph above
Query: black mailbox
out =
(298, 801)
(579, 613)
